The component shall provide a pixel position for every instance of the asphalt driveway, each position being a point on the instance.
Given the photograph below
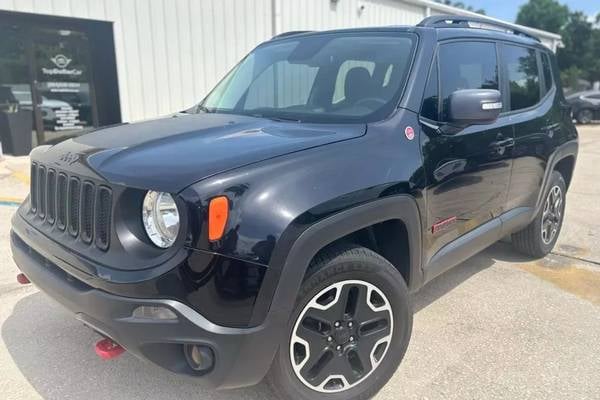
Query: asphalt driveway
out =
(498, 326)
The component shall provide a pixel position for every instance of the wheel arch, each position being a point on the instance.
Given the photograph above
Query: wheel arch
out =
(388, 239)
(564, 157)
(294, 252)
(566, 166)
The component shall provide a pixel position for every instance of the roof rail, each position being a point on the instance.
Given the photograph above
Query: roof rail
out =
(290, 33)
(461, 21)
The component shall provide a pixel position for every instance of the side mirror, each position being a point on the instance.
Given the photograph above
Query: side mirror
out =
(475, 106)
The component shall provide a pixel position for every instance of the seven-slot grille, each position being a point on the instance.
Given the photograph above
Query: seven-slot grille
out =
(74, 204)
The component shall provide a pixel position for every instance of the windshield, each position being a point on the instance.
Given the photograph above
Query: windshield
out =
(337, 78)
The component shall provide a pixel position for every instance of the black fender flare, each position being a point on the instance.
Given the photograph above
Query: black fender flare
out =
(567, 149)
(294, 250)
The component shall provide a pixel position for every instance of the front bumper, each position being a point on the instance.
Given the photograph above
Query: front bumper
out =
(242, 355)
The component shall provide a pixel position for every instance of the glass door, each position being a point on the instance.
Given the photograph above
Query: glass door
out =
(65, 104)
(16, 105)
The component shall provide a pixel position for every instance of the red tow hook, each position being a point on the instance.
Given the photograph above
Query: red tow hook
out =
(107, 349)
(22, 279)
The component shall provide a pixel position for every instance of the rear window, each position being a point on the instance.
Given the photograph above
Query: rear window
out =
(523, 76)
(318, 78)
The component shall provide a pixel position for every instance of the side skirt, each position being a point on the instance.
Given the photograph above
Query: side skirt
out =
(476, 241)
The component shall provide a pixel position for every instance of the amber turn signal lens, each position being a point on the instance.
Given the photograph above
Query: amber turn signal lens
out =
(218, 211)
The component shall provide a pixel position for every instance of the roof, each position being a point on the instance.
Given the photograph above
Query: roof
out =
(442, 33)
(442, 8)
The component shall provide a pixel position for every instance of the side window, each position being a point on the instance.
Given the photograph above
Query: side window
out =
(523, 76)
(547, 70)
(429, 108)
(340, 82)
(466, 65)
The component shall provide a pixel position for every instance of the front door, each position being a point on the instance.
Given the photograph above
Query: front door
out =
(468, 170)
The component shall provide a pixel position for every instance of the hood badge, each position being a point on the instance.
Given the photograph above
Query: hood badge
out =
(69, 158)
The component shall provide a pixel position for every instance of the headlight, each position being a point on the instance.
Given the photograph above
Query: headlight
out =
(161, 218)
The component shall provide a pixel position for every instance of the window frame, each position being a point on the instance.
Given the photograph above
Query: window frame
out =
(435, 67)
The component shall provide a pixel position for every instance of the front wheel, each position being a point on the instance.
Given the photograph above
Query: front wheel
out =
(349, 330)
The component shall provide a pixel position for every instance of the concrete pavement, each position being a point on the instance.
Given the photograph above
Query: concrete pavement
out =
(498, 326)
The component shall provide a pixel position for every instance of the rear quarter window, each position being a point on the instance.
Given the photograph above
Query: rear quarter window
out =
(547, 70)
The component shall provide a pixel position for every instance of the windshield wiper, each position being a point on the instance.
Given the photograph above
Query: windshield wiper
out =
(276, 118)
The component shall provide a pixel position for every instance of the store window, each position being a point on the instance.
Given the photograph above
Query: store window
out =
(63, 82)
(48, 67)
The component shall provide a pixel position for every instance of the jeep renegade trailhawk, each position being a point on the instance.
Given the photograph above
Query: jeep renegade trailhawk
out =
(277, 228)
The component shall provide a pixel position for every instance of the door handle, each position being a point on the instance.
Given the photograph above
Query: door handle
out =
(503, 141)
(506, 142)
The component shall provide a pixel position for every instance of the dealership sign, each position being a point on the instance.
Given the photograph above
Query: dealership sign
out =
(62, 62)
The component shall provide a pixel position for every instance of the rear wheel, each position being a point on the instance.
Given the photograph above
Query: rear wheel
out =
(585, 116)
(540, 236)
(349, 330)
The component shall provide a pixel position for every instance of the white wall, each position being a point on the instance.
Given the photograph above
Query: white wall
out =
(324, 14)
(170, 53)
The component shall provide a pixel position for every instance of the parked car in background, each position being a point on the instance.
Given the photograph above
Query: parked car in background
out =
(586, 106)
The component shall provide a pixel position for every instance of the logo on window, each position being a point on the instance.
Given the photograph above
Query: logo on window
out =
(61, 61)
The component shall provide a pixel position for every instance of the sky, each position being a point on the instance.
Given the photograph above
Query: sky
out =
(508, 9)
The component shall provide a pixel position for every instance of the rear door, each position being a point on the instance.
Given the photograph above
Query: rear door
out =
(468, 172)
(530, 103)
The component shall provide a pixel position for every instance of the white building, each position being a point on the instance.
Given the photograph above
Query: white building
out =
(159, 56)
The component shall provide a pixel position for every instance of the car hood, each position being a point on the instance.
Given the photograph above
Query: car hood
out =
(171, 153)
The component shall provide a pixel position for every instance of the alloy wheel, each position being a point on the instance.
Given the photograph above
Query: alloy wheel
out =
(341, 336)
(552, 215)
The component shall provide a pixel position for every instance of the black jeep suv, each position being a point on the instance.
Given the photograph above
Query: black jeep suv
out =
(277, 229)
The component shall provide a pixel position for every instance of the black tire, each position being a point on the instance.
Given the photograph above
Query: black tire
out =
(585, 116)
(531, 241)
(338, 266)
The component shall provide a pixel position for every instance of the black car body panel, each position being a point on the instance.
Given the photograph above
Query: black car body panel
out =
(436, 192)
(171, 153)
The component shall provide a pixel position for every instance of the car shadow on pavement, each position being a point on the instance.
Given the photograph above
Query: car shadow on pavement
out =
(452, 278)
(54, 352)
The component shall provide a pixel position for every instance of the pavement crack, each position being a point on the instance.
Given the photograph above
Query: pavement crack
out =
(556, 253)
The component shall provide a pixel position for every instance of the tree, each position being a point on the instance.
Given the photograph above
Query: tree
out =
(580, 48)
(570, 78)
(580, 57)
(548, 15)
